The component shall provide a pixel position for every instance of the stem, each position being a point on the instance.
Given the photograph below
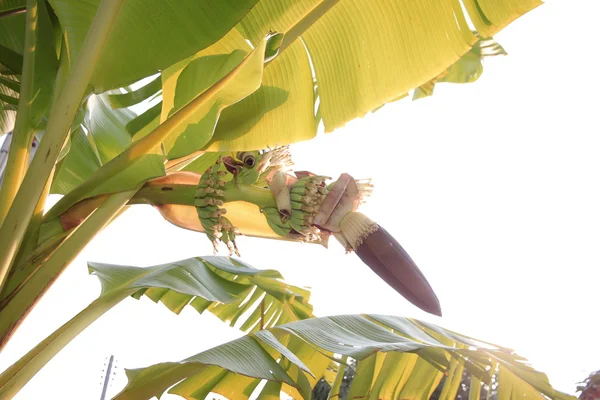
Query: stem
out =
(167, 193)
(61, 117)
(16, 309)
(306, 22)
(25, 270)
(20, 145)
(261, 197)
(17, 375)
(30, 240)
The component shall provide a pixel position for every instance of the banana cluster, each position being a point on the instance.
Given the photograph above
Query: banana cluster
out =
(306, 196)
(208, 201)
(277, 223)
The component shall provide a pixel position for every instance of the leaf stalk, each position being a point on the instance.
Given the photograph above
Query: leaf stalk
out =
(20, 145)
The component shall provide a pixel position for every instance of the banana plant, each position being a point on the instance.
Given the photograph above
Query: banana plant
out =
(124, 112)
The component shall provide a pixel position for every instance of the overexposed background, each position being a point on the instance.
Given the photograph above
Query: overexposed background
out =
(491, 187)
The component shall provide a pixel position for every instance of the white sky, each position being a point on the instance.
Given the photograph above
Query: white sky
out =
(491, 187)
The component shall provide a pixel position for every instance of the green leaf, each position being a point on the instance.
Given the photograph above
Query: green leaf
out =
(9, 99)
(45, 64)
(247, 283)
(7, 115)
(107, 137)
(11, 5)
(244, 356)
(202, 163)
(79, 163)
(143, 159)
(147, 121)
(11, 59)
(135, 96)
(145, 38)
(12, 38)
(106, 127)
(389, 365)
(196, 77)
(212, 279)
(279, 113)
(10, 83)
(364, 54)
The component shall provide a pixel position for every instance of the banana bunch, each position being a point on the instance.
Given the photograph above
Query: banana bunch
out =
(305, 207)
(208, 200)
(276, 222)
(306, 196)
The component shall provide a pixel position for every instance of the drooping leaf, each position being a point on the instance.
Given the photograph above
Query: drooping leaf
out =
(466, 70)
(211, 280)
(252, 286)
(390, 362)
(178, 134)
(148, 35)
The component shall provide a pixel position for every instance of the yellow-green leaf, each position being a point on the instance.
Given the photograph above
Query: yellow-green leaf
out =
(391, 370)
(148, 35)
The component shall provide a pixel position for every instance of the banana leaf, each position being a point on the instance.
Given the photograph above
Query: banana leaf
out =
(396, 358)
(228, 288)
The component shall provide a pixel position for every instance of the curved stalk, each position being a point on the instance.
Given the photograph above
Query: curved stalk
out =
(61, 116)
